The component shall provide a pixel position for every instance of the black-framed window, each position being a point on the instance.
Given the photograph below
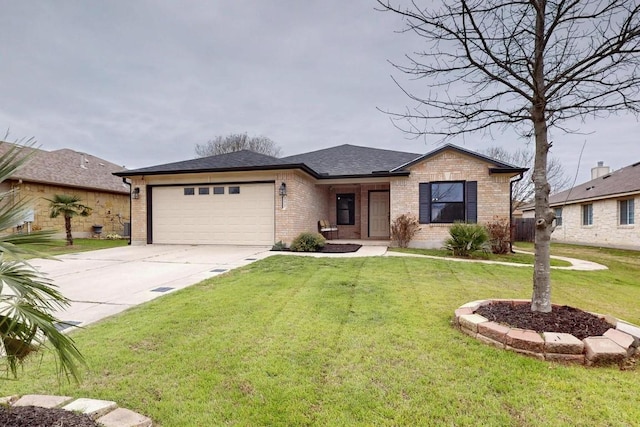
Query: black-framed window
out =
(627, 212)
(446, 202)
(234, 190)
(189, 191)
(587, 214)
(218, 190)
(346, 209)
(203, 191)
(558, 213)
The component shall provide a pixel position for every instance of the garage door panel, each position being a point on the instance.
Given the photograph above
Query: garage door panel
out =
(245, 218)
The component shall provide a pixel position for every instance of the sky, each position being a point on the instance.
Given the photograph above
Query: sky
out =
(141, 82)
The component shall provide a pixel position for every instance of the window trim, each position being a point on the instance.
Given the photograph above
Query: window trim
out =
(463, 203)
(558, 217)
(471, 202)
(351, 208)
(629, 212)
(587, 215)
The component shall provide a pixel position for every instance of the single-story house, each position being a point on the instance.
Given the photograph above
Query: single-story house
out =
(70, 172)
(599, 212)
(247, 198)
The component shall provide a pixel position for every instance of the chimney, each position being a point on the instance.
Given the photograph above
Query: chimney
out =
(600, 170)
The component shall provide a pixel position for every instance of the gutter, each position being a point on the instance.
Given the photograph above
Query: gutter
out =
(124, 180)
(511, 209)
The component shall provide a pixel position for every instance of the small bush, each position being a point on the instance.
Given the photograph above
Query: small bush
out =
(279, 246)
(499, 235)
(113, 236)
(466, 239)
(308, 242)
(403, 228)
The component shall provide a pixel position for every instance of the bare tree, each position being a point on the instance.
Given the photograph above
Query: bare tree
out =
(237, 142)
(523, 191)
(529, 65)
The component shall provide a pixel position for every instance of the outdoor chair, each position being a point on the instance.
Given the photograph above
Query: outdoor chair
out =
(327, 229)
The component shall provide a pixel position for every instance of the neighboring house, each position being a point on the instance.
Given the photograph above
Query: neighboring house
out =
(70, 172)
(247, 198)
(599, 212)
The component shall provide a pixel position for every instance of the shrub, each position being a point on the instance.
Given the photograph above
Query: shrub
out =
(308, 242)
(113, 236)
(279, 246)
(466, 239)
(499, 235)
(403, 228)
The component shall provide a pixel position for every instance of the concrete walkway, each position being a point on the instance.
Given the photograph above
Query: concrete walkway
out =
(576, 264)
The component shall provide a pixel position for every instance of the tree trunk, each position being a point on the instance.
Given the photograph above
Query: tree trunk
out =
(67, 227)
(541, 298)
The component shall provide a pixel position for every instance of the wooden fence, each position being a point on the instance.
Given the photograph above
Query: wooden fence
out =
(524, 229)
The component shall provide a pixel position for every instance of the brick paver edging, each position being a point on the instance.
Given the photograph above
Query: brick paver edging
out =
(104, 412)
(615, 346)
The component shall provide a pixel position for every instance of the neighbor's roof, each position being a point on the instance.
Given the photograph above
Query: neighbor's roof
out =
(341, 161)
(69, 168)
(622, 182)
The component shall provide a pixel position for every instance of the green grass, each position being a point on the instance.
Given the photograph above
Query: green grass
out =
(517, 258)
(59, 247)
(297, 341)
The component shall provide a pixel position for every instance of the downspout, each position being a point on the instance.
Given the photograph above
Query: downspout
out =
(511, 210)
(124, 180)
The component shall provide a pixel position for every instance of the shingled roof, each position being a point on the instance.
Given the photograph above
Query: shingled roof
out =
(341, 161)
(69, 168)
(622, 182)
(352, 160)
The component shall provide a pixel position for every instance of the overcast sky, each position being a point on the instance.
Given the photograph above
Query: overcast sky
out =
(140, 82)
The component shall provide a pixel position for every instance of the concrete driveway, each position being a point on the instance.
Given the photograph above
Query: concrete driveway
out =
(105, 282)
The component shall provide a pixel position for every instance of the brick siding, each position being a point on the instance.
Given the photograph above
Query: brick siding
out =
(493, 192)
(110, 210)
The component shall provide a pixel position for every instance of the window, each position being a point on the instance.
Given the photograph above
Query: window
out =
(203, 190)
(234, 190)
(218, 190)
(587, 214)
(346, 209)
(189, 191)
(446, 202)
(558, 212)
(626, 212)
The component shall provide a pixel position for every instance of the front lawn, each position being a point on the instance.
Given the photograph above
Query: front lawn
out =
(353, 341)
(59, 246)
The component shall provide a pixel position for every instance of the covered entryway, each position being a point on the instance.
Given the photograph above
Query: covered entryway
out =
(237, 214)
(379, 214)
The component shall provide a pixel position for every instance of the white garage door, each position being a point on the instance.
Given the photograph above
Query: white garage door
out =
(238, 214)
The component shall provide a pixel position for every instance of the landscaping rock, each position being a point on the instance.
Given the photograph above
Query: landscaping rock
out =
(493, 330)
(603, 351)
(555, 342)
(521, 339)
(471, 321)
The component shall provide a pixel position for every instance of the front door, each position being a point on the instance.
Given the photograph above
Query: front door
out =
(379, 214)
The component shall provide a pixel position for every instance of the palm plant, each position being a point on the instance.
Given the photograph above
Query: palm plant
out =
(69, 206)
(27, 299)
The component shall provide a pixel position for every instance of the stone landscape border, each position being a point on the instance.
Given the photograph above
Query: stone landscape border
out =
(617, 345)
(104, 412)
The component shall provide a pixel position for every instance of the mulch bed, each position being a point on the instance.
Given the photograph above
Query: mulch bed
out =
(34, 416)
(332, 248)
(564, 319)
(339, 248)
